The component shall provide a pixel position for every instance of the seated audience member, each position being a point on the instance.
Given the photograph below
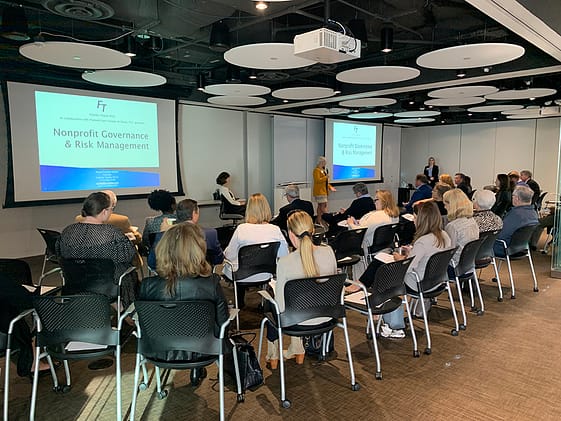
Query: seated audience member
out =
(292, 193)
(422, 191)
(486, 220)
(437, 195)
(523, 213)
(255, 230)
(462, 183)
(120, 221)
(545, 222)
(359, 207)
(526, 177)
(188, 211)
(307, 260)
(461, 227)
(447, 179)
(184, 274)
(159, 200)
(231, 204)
(93, 238)
(514, 177)
(503, 196)
(431, 172)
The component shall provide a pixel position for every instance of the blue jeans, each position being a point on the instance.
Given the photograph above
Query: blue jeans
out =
(395, 318)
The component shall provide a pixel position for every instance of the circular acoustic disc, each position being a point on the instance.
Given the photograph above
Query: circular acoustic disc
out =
(494, 108)
(414, 120)
(521, 111)
(470, 56)
(304, 92)
(237, 100)
(236, 89)
(462, 91)
(378, 74)
(266, 56)
(366, 116)
(326, 111)
(447, 102)
(521, 94)
(74, 54)
(128, 78)
(368, 102)
(414, 114)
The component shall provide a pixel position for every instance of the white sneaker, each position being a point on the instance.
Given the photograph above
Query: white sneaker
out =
(397, 334)
(386, 331)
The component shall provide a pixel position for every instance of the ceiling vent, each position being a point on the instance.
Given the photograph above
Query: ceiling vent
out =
(80, 9)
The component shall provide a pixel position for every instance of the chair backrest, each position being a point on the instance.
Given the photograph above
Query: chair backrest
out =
(466, 263)
(177, 325)
(539, 202)
(257, 258)
(520, 239)
(226, 211)
(308, 298)
(318, 237)
(436, 270)
(348, 243)
(16, 270)
(94, 276)
(389, 281)
(486, 248)
(383, 237)
(406, 231)
(81, 318)
(50, 237)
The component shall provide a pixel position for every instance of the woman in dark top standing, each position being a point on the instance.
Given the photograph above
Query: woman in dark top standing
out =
(431, 172)
(503, 197)
(185, 274)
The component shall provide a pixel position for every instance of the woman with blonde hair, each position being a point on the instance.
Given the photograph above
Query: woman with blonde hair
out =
(255, 230)
(321, 187)
(184, 274)
(447, 179)
(307, 260)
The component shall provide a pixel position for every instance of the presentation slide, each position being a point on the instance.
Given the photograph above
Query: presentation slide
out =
(66, 143)
(353, 149)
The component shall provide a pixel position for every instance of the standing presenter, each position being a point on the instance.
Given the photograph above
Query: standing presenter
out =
(321, 187)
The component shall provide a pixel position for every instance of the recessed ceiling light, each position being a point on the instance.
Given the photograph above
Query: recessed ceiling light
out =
(261, 5)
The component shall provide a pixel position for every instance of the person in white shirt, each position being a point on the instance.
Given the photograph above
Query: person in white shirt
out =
(232, 204)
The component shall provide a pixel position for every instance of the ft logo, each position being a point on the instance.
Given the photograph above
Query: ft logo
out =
(101, 105)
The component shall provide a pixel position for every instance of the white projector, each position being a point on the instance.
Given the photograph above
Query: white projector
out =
(326, 46)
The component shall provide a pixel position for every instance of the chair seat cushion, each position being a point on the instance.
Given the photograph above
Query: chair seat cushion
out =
(348, 261)
(429, 294)
(483, 263)
(302, 330)
(519, 255)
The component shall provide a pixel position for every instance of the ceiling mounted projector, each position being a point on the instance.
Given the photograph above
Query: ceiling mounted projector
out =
(326, 46)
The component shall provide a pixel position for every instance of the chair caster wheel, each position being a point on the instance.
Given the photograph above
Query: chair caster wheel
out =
(428, 351)
(513, 297)
(378, 375)
(536, 289)
(494, 280)
(416, 354)
(286, 404)
(500, 299)
(355, 387)
(142, 386)
(480, 312)
(473, 309)
(369, 336)
(63, 389)
(241, 398)
(463, 327)
(454, 332)
(163, 394)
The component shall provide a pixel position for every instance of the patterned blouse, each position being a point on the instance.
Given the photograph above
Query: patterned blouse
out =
(487, 221)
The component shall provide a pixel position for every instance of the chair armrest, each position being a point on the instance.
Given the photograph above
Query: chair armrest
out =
(361, 286)
(125, 273)
(49, 273)
(129, 312)
(266, 296)
(18, 318)
(232, 313)
(503, 242)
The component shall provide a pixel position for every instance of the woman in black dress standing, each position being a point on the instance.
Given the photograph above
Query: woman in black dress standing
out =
(431, 172)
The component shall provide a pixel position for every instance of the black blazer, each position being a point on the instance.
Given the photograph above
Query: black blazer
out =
(434, 174)
(296, 204)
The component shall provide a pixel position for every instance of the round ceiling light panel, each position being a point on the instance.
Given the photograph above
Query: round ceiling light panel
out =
(470, 56)
(368, 116)
(414, 120)
(463, 91)
(378, 74)
(126, 78)
(494, 108)
(266, 56)
(304, 92)
(74, 54)
(326, 111)
(449, 102)
(236, 89)
(416, 114)
(368, 102)
(240, 101)
(521, 94)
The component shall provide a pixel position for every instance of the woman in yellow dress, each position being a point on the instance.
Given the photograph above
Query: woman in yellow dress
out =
(321, 187)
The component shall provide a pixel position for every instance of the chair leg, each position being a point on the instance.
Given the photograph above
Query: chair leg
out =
(44, 264)
(533, 272)
(478, 289)
(7, 382)
(512, 295)
(375, 345)
(461, 299)
(354, 385)
(471, 297)
(454, 331)
(285, 402)
(237, 371)
(236, 303)
(118, 381)
(411, 327)
(135, 387)
(221, 384)
(35, 383)
(497, 277)
(261, 339)
(421, 299)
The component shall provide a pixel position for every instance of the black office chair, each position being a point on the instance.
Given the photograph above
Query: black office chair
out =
(257, 265)
(406, 231)
(347, 246)
(16, 270)
(435, 281)
(518, 249)
(188, 326)
(387, 293)
(486, 256)
(383, 238)
(63, 321)
(539, 202)
(50, 237)
(227, 214)
(307, 299)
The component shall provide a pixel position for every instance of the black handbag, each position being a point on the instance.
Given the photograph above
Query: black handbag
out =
(313, 345)
(251, 374)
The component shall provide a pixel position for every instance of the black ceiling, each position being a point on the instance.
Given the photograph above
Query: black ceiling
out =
(179, 45)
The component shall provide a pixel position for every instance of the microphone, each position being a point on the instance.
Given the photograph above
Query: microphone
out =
(326, 170)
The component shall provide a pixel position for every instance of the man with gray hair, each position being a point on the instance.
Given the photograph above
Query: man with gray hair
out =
(520, 215)
(292, 194)
(359, 207)
(526, 177)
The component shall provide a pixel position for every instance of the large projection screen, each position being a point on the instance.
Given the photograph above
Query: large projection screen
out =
(353, 150)
(66, 143)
